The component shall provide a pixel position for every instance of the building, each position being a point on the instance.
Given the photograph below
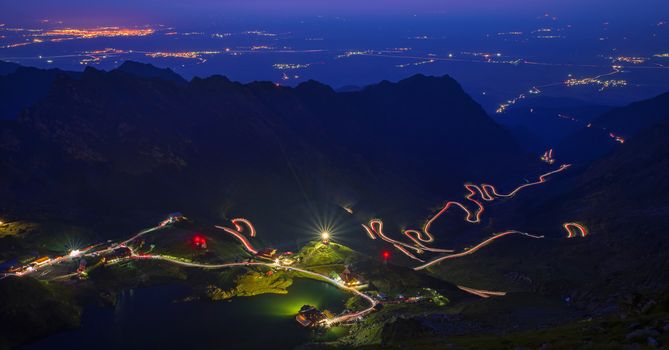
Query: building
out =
(82, 266)
(351, 280)
(41, 261)
(287, 259)
(310, 316)
(172, 218)
(117, 255)
(267, 253)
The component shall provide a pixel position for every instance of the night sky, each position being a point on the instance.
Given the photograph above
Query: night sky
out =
(86, 11)
(568, 38)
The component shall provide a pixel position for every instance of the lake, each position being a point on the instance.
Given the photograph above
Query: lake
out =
(153, 317)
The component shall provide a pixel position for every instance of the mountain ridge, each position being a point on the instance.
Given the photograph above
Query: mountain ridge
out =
(388, 146)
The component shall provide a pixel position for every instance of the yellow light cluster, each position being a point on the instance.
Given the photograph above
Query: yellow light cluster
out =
(185, 54)
(632, 60)
(102, 32)
(604, 84)
(284, 66)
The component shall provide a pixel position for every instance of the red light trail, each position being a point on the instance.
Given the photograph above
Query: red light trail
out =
(548, 157)
(376, 228)
(238, 221)
(481, 292)
(474, 249)
(477, 195)
(239, 235)
(575, 229)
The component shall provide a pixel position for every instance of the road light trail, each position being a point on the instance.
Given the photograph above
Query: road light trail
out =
(238, 234)
(481, 292)
(547, 157)
(575, 229)
(407, 253)
(88, 251)
(474, 249)
(476, 194)
(238, 221)
(240, 237)
(336, 320)
(487, 193)
(238, 225)
(376, 228)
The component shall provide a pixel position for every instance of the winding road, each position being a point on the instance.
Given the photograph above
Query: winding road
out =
(477, 194)
(239, 224)
(338, 319)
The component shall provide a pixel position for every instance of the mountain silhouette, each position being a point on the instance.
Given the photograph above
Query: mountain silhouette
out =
(136, 142)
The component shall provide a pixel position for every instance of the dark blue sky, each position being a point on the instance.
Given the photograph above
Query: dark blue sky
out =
(583, 39)
(86, 11)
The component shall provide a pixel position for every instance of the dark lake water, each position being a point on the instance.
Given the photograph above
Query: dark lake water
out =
(149, 318)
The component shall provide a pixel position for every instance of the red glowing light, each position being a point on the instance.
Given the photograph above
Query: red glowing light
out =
(385, 254)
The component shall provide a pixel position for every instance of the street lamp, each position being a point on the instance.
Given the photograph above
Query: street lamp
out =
(325, 237)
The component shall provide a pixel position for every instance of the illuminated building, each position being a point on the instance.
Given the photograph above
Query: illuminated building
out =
(267, 253)
(41, 261)
(117, 255)
(172, 218)
(286, 259)
(310, 316)
(349, 279)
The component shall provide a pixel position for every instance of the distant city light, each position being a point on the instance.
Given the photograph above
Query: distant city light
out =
(105, 32)
(74, 253)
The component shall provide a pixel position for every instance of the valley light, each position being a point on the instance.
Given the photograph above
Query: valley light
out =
(74, 253)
